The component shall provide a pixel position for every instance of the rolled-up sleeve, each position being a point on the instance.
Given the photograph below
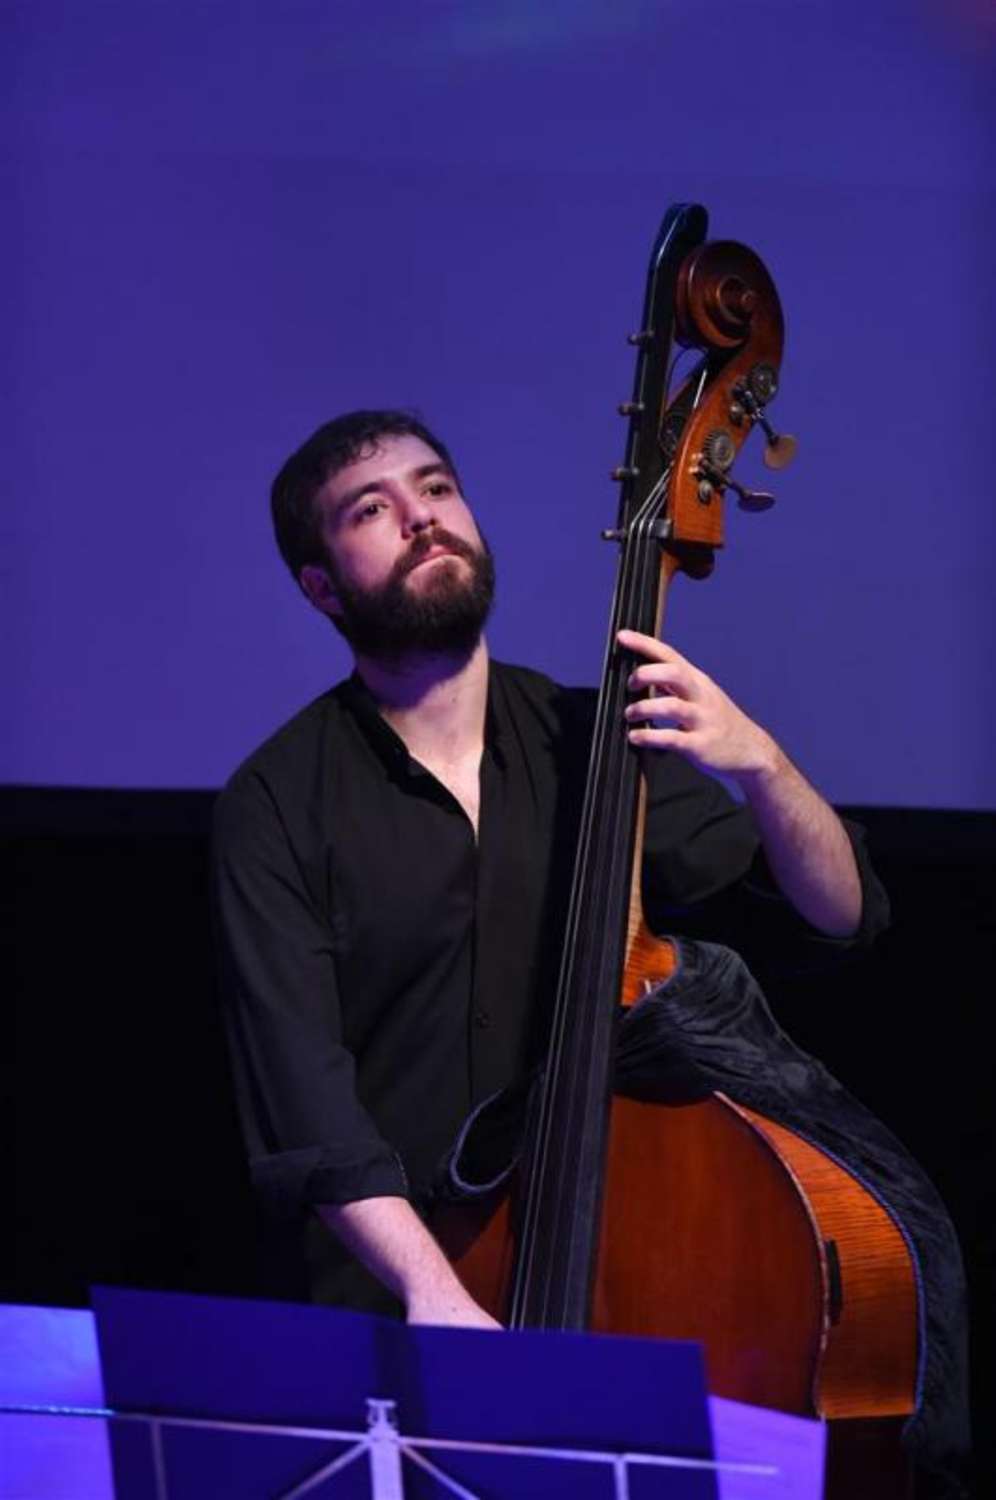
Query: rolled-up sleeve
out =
(705, 874)
(309, 1139)
(875, 911)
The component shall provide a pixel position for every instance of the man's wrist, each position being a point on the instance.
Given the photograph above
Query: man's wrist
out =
(769, 767)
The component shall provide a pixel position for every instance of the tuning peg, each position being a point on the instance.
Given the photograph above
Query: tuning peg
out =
(712, 477)
(623, 473)
(631, 408)
(751, 500)
(781, 447)
(641, 339)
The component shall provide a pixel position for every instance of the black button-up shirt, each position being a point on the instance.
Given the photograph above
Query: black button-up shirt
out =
(383, 970)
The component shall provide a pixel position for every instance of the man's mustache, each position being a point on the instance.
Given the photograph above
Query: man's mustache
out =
(425, 542)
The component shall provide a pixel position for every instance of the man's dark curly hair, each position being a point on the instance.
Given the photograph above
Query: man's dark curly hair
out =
(335, 445)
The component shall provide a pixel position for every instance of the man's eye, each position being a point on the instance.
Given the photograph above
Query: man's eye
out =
(367, 512)
(439, 487)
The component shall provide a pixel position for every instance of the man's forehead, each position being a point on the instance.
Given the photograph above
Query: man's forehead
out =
(388, 457)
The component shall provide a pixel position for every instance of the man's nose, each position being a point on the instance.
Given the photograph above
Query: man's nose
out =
(417, 515)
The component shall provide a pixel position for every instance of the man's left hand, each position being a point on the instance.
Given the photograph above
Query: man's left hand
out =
(690, 714)
(808, 851)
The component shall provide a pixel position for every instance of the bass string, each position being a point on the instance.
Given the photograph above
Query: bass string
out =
(637, 606)
(541, 1145)
(607, 855)
(583, 1081)
(677, 236)
(603, 847)
(610, 749)
(580, 1083)
(609, 743)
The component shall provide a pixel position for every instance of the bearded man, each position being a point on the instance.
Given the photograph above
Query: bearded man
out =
(392, 866)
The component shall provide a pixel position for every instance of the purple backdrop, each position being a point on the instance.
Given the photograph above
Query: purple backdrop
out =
(237, 219)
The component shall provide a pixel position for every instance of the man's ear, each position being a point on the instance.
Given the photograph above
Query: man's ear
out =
(319, 589)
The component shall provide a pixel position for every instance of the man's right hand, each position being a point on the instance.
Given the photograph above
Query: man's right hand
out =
(389, 1238)
(443, 1311)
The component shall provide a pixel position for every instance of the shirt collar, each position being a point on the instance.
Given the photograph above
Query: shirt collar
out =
(388, 743)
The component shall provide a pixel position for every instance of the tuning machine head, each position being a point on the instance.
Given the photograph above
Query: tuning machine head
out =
(715, 461)
(749, 399)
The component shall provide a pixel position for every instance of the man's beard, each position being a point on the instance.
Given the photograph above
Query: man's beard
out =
(443, 616)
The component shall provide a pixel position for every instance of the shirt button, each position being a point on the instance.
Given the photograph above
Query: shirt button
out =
(482, 1018)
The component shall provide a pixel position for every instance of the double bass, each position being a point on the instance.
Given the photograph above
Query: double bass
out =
(697, 1219)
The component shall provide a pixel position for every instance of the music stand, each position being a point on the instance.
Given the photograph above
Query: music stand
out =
(226, 1397)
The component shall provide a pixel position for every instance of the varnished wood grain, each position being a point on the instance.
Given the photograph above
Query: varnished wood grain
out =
(869, 1362)
(649, 961)
(706, 1238)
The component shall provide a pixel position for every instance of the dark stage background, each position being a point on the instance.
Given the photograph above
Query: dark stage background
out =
(128, 1166)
